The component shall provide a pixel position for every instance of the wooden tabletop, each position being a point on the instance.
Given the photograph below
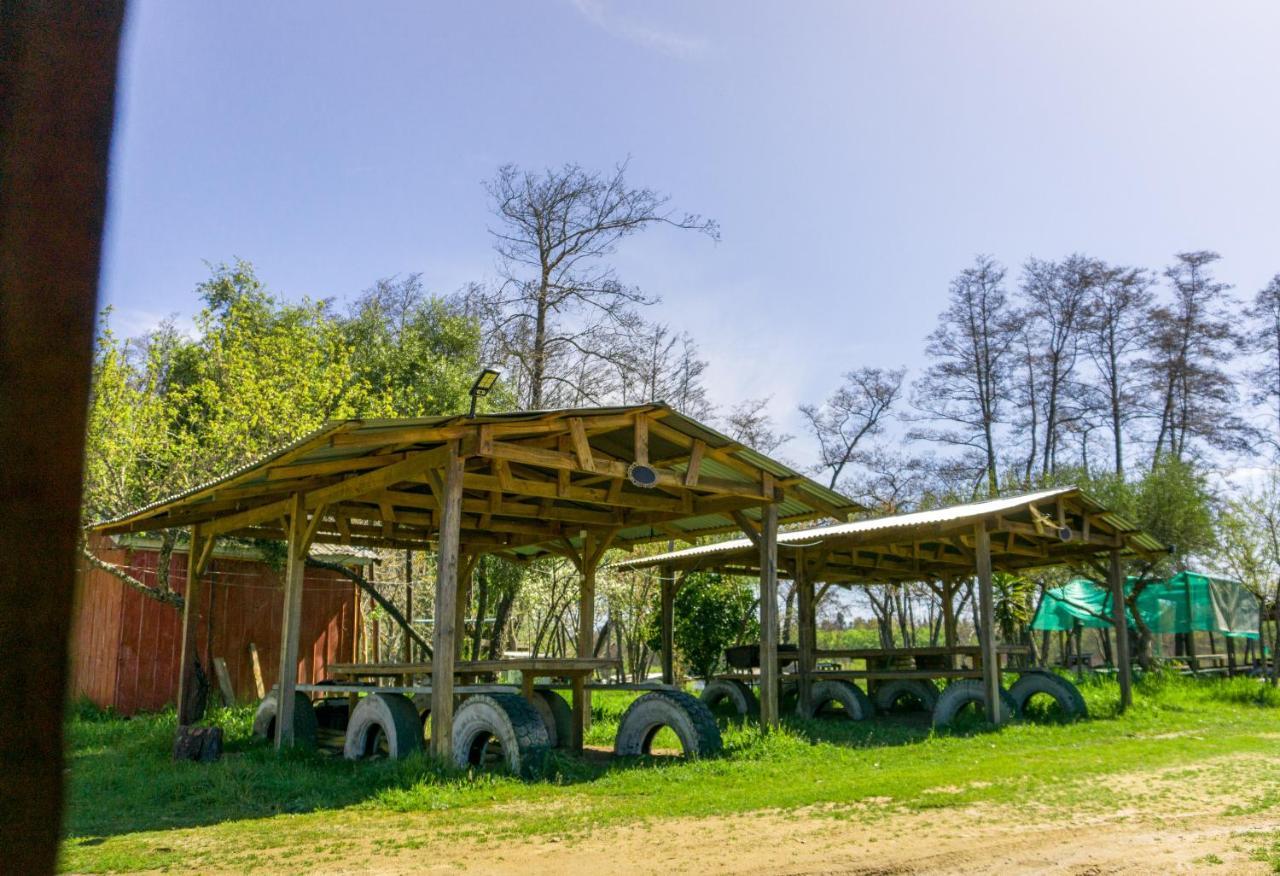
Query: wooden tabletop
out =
(553, 666)
(928, 651)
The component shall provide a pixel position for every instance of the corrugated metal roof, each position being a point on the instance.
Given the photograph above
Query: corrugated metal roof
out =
(899, 523)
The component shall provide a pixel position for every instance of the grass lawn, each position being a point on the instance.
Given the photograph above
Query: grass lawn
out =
(131, 808)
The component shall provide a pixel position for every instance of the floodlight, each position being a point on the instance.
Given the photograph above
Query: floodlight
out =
(488, 377)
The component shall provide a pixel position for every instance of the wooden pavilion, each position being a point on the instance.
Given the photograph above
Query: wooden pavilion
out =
(571, 483)
(1055, 527)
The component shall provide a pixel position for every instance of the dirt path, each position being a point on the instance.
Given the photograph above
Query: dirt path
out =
(1174, 823)
(975, 840)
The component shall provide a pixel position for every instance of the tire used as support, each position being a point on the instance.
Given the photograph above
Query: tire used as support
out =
(734, 692)
(965, 692)
(855, 704)
(489, 729)
(890, 695)
(383, 724)
(304, 719)
(686, 715)
(556, 715)
(1063, 692)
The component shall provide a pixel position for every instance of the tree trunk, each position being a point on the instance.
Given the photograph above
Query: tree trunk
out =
(500, 616)
(482, 602)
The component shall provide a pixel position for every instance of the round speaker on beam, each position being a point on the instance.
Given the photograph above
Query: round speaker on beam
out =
(644, 476)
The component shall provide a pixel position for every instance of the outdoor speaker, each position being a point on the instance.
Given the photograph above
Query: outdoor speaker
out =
(642, 475)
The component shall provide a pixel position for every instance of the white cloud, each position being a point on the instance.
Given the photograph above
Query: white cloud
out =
(604, 15)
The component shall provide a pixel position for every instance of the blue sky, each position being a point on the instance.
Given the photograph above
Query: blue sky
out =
(856, 155)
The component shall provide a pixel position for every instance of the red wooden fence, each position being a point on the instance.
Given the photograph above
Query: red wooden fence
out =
(125, 646)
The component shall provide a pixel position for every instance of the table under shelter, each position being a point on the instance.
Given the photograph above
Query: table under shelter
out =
(1054, 527)
(569, 483)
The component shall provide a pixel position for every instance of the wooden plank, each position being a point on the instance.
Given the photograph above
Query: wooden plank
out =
(542, 666)
(332, 466)
(224, 682)
(769, 617)
(641, 447)
(749, 529)
(258, 686)
(695, 463)
(379, 479)
(581, 446)
(261, 514)
(987, 614)
(443, 634)
(891, 674)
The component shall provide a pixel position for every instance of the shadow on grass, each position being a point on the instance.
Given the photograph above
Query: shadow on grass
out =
(123, 780)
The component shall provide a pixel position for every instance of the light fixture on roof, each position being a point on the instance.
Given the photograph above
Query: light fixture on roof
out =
(641, 475)
(488, 377)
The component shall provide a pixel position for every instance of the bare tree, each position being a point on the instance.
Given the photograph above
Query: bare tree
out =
(890, 481)
(661, 365)
(1189, 343)
(559, 309)
(1264, 339)
(749, 422)
(967, 382)
(1054, 297)
(1114, 330)
(854, 412)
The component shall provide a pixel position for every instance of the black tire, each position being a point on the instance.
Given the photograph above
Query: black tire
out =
(917, 695)
(687, 715)
(855, 704)
(733, 692)
(1063, 692)
(383, 724)
(500, 728)
(968, 691)
(304, 719)
(556, 715)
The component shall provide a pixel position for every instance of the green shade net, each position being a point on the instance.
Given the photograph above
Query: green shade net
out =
(1187, 602)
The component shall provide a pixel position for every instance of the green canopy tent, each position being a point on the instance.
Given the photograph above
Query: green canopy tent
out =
(1187, 602)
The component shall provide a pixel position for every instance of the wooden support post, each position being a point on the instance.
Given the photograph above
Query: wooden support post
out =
(197, 557)
(987, 613)
(291, 618)
(408, 603)
(808, 630)
(581, 714)
(446, 601)
(1124, 662)
(591, 551)
(666, 623)
(769, 616)
(949, 613)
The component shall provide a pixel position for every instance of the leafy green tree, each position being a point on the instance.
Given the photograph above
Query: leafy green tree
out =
(712, 612)
(415, 354)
